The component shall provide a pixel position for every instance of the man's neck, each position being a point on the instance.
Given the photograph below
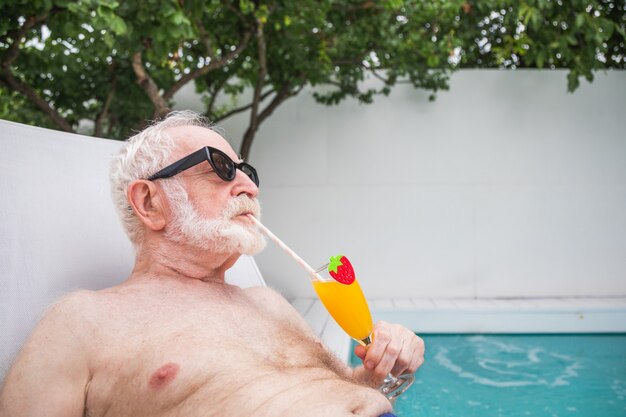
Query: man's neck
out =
(166, 259)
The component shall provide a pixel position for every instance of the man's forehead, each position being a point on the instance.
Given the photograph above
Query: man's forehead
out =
(191, 138)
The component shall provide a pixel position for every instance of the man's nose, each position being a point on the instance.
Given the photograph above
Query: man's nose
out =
(244, 185)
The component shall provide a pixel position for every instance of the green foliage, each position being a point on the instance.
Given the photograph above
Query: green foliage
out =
(583, 36)
(78, 56)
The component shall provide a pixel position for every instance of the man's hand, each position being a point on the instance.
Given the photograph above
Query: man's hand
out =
(394, 349)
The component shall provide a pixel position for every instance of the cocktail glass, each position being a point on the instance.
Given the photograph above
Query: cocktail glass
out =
(348, 307)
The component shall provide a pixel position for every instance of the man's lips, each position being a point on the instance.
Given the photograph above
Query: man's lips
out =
(246, 215)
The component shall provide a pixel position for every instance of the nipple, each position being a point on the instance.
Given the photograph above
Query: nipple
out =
(163, 376)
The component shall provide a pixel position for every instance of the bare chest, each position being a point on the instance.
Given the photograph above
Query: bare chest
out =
(164, 351)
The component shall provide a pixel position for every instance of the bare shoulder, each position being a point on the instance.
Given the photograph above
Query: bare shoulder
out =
(75, 299)
(64, 327)
(77, 306)
(67, 319)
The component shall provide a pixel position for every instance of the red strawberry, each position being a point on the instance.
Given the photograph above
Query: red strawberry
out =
(341, 270)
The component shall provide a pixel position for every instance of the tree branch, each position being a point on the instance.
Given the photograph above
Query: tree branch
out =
(237, 12)
(204, 37)
(214, 64)
(113, 122)
(262, 73)
(216, 89)
(284, 93)
(348, 61)
(17, 35)
(14, 49)
(105, 108)
(242, 108)
(17, 85)
(9, 79)
(377, 75)
(149, 86)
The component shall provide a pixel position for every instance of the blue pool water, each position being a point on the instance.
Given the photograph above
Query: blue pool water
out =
(519, 376)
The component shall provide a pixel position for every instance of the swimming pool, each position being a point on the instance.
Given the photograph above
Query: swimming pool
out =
(519, 375)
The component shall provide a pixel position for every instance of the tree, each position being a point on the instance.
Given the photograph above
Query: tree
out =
(118, 64)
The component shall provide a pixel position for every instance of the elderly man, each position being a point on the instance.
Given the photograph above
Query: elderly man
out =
(174, 339)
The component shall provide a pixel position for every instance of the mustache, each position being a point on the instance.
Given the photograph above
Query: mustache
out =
(242, 205)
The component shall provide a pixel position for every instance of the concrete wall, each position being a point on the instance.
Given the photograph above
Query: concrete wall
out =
(505, 186)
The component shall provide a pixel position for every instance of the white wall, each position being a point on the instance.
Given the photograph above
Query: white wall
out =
(505, 186)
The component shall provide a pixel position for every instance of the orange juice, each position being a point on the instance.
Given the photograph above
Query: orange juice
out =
(347, 305)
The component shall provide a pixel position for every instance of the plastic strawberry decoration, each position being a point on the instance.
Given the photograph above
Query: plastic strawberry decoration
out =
(341, 269)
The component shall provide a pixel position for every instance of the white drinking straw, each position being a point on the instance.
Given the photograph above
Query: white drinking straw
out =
(286, 248)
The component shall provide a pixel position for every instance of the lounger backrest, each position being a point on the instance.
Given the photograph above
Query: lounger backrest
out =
(58, 228)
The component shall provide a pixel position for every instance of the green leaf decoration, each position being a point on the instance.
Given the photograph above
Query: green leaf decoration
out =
(335, 262)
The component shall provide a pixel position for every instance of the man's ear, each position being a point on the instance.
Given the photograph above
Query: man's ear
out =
(148, 203)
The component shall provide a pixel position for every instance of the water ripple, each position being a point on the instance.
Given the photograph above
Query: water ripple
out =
(502, 364)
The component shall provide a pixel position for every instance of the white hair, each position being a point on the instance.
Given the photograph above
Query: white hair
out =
(141, 156)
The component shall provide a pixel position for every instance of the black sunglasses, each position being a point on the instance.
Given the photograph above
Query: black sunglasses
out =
(224, 167)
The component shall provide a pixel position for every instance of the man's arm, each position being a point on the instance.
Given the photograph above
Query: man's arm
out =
(50, 375)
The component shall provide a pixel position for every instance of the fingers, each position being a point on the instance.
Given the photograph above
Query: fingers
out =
(384, 351)
(411, 356)
(418, 357)
(414, 357)
(394, 350)
(360, 352)
(404, 360)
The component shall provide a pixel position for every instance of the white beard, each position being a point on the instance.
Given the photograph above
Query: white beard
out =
(221, 235)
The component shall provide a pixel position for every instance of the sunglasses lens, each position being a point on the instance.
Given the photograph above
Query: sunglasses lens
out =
(223, 165)
(250, 172)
